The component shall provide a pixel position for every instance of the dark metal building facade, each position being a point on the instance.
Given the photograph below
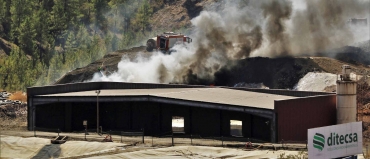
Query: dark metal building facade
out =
(287, 119)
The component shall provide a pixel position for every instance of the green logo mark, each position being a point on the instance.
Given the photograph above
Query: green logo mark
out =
(319, 141)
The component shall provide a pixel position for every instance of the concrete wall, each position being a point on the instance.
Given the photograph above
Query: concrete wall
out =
(295, 116)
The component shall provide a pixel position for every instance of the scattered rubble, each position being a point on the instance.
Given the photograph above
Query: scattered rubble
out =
(251, 85)
(13, 110)
(4, 94)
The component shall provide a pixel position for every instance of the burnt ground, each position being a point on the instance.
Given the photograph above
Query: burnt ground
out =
(282, 72)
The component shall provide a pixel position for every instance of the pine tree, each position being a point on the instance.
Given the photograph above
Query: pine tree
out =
(5, 19)
(19, 10)
(143, 15)
(115, 43)
(101, 7)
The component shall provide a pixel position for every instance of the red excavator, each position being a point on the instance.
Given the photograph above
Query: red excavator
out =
(166, 41)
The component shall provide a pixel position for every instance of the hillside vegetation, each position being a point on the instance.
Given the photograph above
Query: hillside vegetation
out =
(42, 40)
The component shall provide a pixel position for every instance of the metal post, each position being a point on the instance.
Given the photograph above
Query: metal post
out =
(222, 139)
(306, 144)
(97, 110)
(172, 138)
(85, 133)
(143, 134)
(191, 139)
(34, 131)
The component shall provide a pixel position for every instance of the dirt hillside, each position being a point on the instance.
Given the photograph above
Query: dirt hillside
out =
(177, 14)
(109, 61)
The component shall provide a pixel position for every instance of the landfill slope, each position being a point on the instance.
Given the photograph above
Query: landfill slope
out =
(275, 73)
(109, 62)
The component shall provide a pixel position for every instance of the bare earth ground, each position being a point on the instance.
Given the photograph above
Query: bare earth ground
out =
(37, 147)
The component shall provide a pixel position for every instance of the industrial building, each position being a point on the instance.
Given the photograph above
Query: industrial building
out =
(268, 115)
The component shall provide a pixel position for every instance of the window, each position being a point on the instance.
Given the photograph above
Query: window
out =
(236, 128)
(178, 124)
(162, 43)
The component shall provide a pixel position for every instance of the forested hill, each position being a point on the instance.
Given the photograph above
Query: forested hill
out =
(40, 40)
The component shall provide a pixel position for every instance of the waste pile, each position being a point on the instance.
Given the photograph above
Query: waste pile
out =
(11, 108)
(4, 95)
(251, 85)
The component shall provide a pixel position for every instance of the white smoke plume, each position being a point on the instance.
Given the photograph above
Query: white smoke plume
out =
(230, 30)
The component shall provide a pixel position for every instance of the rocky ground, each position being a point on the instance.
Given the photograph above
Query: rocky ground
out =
(13, 117)
(364, 116)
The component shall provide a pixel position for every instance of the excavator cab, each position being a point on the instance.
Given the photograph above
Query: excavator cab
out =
(162, 43)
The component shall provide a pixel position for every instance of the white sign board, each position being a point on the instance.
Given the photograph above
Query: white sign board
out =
(335, 141)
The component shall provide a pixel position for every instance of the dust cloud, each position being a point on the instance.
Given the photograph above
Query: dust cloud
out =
(231, 30)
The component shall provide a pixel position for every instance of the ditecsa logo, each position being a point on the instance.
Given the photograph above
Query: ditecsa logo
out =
(319, 141)
(335, 141)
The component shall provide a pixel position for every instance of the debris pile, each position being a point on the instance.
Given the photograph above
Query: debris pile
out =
(316, 81)
(4, 95)
(13, 110)
(251, 85)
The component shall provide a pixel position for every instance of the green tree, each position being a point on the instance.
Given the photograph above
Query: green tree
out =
(5, 19)
(115, 43)
(19, 10)
(44, 41)
(101, 6)
(143, 15)
(52, 37)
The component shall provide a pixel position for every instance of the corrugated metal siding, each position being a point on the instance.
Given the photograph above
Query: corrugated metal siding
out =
(295, 116)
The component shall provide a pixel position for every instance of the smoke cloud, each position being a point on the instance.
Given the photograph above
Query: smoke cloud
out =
(227, 31)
